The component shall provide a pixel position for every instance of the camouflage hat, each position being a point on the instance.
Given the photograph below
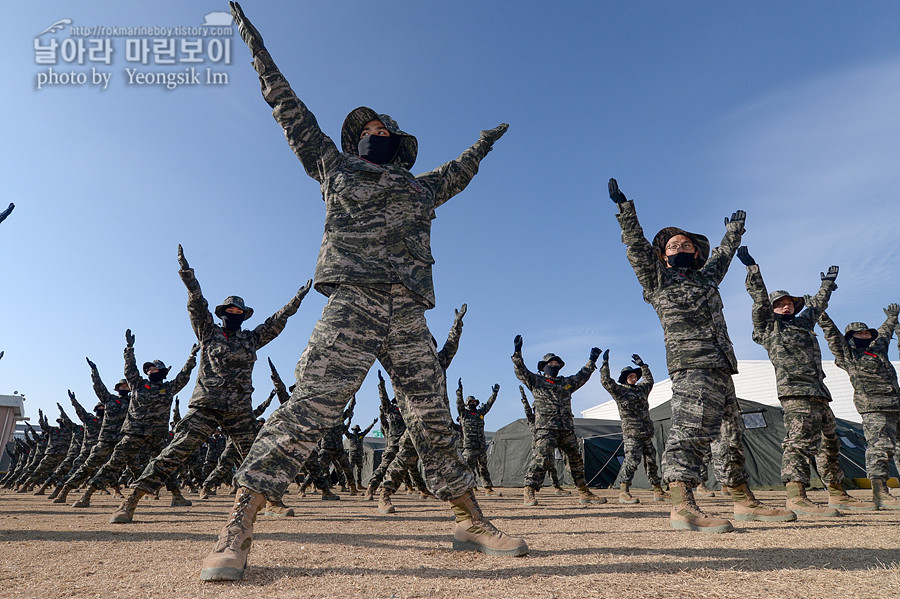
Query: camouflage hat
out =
(99, 407)
(547, 358)
(237, 302)
(357, 119)
(159, 364)
(471, 399)
(700, 242)
(122, 383)
(355, 428)
(623, 376)
(858, 327)
(799, 302)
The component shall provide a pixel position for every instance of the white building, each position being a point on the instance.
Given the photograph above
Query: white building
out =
(756, 382)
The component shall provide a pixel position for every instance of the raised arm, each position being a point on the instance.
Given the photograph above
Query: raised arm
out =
(529, 413)
(66, 421)
(176, 412)
(369, 428)
(605, 379)
(460, 401)
(280, 390)
(82, 414)
(445, 356)
(761, 313)
(179, 382)
(646, 375)
(132, 374)
(382, 395)
(348, 413)
(527, 377)
(490, 402)
(273, 325)
(7, 212)
(198, 308)
(581, 377)
(640, 253)
(100, 389)
(452, 177)
(836, 341)
(315, 150)
(720, 258)
(261, 408)
(886, 330)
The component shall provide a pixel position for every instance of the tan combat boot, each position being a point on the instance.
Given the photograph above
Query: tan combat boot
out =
(585, 496)
(489, 490)
(205, 492)
(473, 532)
(685, 514)
(838, 498)
(384, 502)
(353, 489)
(529, 498)
(702, 491)
(63, 494)
(882, 497)
(85, 500)
(42, 490)
(117, 492)
(747, 507)
(561, 491)
(659, 494)
(277, 509)
(179, 500)
(370, 492)
(799, 503)
(229, 558)
(625, 496)
(327, 495)
(125, 513)
(55, 493)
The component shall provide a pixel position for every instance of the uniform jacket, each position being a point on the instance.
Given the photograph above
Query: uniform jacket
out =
(390, 414)
(148, 410)
(631, 400)
(552, 394)
(115, 408)
(472, 421)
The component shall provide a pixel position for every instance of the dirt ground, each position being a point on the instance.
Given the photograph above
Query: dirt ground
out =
(347, 549)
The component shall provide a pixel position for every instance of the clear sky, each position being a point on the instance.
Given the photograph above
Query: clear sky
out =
(788, 110)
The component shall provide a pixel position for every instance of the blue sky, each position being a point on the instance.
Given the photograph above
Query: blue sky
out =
(787, 110)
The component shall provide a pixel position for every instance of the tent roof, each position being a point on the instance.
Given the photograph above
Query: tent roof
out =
(754, 382)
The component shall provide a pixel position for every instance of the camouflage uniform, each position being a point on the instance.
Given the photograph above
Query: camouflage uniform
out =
(146, 426)
(794, 352)
(875, 389)
(392, 421)
(65, 467)
(222, 394)
(114, 412)
(331, 447)
(375, 267)
(357, 451)
(474, 441)
(529, 416)
(699, 354)
(92, 424)
(554, 423)
(215, 447)
(637, 428)
(58, 440)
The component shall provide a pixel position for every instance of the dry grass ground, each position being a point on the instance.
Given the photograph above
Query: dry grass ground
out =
(347, 549)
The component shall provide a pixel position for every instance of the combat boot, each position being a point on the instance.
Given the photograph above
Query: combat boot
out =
(384, 502)
(882, 497)
(839, 498)
(353, 490)
(63, 494)
(205, 492)
(659, 494)
(125, 513)
(85, 500)
(179, 500)
(117, 492)
(155, 495)
(327, 495)
(43, 489)
(685, 514)
(625, 496)
(278, 509)
(529, 498)
(799, 503)
(370, 492)
(55, 493)
(473, 532)
(25, 488)
(489, 490)
(586, 496)
(229, 558)
(561, 491)
(747, 507)
(702, 491)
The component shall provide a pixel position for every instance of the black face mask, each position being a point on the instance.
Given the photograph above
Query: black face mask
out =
(123, 392)
(156, 377)
(861, 343)
(98, 413)
(785, 317)
(379, 149)
(681, 260)
(552, 369)
(232, 322)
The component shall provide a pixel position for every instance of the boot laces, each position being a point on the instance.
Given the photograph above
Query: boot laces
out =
(235, 526)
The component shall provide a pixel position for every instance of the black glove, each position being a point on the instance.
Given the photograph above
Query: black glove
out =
(7, 212)
(615, 194)
(458, 314)
(832, 274)
(517, 343)
(380, 378)
(182, 261)
(301, 293)
(636, 360)
(71, 396)
(248, 32)
(739, 217)
(744, 256)
(606, 356)
(495, 388)
(595, 353)
(129, 338)
(91, 364)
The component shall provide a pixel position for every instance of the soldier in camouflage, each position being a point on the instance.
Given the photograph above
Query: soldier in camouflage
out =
(146, 426)
(392, 421)
(554, 477)
(375, 267)
(222, 395)
(863, 353)
(784, 325)
(680, 277)
(83, 439)
(554, 422)
(631, 394)
(58, 440)
(115, 408)
(331, 448)
(471, 417)
(357, 452)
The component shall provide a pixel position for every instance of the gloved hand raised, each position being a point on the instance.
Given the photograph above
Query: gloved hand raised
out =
(129, 338)
(615, 194)
(182, 261)
(893, 310)
(595, 353)
(744, 256)
(517, 344)
(492, 135)
(831, 275)
(636, 360)
(736, 222)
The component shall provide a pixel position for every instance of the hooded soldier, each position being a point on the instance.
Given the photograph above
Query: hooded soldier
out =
(680, 276)
(375, 265)
(863, 353)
